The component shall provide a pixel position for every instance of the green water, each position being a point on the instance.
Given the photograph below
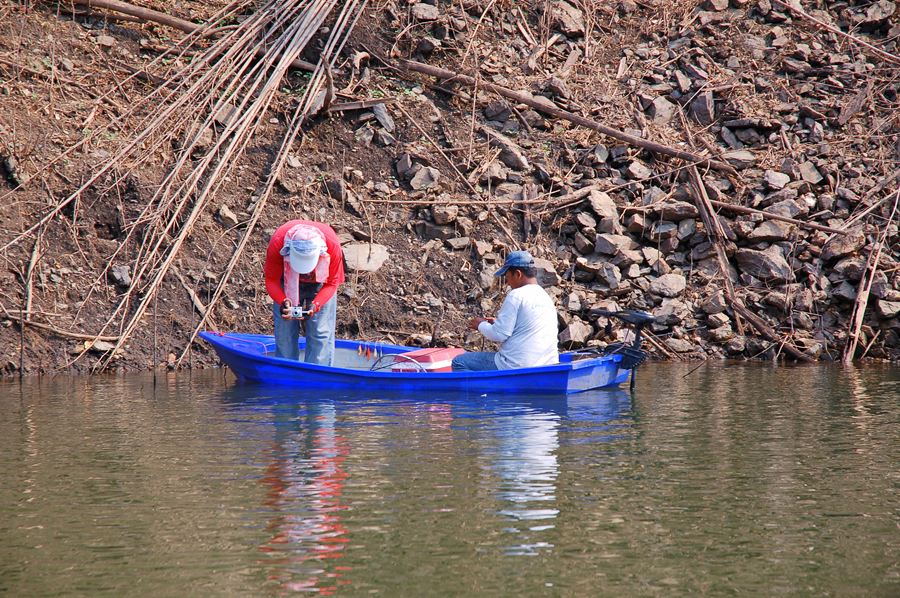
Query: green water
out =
(728, 480)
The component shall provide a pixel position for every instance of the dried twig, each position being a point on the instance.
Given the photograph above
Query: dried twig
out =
(865, 286)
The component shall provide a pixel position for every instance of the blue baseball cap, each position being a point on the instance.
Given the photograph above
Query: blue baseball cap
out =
(516, 259)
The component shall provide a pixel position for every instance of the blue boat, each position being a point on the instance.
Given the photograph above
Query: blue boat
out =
(251, 357)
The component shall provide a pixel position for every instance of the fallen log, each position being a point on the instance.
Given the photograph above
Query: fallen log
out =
(153, 16)
(555, 112)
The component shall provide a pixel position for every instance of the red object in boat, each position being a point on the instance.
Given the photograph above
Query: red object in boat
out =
(435, 359)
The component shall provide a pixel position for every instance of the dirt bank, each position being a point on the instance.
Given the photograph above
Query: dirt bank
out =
(448, 179)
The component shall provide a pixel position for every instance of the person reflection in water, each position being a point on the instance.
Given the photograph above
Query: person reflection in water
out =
(528, 468)
(305, 480)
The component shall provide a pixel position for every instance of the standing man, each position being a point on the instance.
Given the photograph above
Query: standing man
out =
(525, 326)
(304, 266)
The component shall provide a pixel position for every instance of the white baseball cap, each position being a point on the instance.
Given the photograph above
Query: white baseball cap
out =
(303, 245)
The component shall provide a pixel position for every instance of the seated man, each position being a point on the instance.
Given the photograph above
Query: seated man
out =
(525, 326)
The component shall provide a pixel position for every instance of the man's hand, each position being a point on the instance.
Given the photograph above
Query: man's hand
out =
(286, 309)
(475, 322)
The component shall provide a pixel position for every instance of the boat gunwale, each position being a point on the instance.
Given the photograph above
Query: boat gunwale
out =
(291, 364)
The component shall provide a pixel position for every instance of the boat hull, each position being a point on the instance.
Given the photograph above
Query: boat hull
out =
(249, 357)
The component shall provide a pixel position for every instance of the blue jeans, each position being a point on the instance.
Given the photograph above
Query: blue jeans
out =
(319, 332)
(475, 361)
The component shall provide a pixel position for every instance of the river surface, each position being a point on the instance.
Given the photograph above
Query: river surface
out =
(725, 480)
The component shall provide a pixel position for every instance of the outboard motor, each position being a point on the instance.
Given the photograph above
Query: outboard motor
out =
(632, 354)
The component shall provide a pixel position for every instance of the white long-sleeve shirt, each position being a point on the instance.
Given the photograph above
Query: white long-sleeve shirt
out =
(526, 329)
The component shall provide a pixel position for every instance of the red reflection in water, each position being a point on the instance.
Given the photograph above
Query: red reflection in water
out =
(306, 490)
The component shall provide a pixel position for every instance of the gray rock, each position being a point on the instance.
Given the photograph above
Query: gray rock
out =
(714, 303)
(787, 207)
(716, 5)
(844, 292)
(810, 174)
(509, 191)
(740, 159)
(776, 180)
(770, 231)
(887, 309)
(767, 266)
(609, 244)
(662, 229)
(494, 173)
(226, 216)
(675, 210)
(686, 228)
(717, 320)
(458, 243)
(383, 117)
(425, 178)
(444, 214)
(662, 110)
(510, 153)
(604, 207)
(668, 285)
(638, 171)
(703, 108)
(568, 19)
(365, 257)
(609, 275)
(546, 273)
(582, 244)
(576, 334)
(671, 312)
(425, 12)
(841, 245)
(585, 220)
(850, 268)
(679, 345)
(120, 275)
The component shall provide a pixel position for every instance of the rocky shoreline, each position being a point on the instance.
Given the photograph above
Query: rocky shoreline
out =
(788, 248)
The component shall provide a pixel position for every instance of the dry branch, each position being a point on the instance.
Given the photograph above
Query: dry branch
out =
(794, 7)
(770, 216)
(527, 99)
(153, 16)
(865, 286)
(76, 335)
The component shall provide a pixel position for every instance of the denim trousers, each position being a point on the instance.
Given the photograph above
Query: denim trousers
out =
(475, 361)
(319, 333)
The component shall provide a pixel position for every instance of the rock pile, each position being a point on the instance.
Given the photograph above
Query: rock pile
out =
(767, 102)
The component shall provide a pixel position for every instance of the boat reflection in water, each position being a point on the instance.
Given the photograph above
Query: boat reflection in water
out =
(305, 465)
